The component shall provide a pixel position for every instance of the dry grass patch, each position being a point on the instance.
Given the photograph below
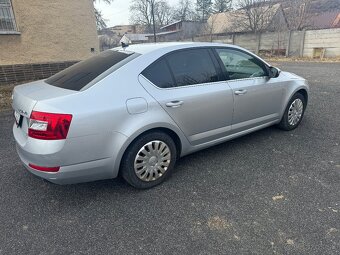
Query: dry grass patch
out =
(5, 97)
(298, 59)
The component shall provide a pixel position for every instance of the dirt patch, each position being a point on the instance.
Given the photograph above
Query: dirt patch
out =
(278, 197)
(218, 223)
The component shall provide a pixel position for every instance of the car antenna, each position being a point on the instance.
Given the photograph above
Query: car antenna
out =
(124, 45)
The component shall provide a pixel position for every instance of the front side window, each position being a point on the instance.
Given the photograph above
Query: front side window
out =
(240, 65)
(193, 66)
(7, 21)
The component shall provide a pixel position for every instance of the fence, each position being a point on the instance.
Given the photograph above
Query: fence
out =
(310, 43)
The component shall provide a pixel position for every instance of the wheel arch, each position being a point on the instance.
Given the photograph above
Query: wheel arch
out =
(301, 89)
(304, 93)
(177, 137)
(174, 136)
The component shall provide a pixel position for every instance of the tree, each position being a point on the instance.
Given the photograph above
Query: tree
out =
(204, 9)
(256, 14)
(100, 21)
(141, 13)
(298, 14)
(163, 13)
(210, 27)
(222, 6)
(184, 11)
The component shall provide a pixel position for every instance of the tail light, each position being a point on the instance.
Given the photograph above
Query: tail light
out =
(49, 126)
(44, 169)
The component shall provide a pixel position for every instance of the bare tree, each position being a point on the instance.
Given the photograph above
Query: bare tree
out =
(298, 14)
(222, 6)
(203, 9)
(163, 13)
(184, 11)
(141, 13)
(256, 14)
(210, 27)
(100, 21)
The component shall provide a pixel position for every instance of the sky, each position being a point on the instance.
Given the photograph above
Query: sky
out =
(117, 13)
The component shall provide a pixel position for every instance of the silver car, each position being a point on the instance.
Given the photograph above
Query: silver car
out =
(136, 110)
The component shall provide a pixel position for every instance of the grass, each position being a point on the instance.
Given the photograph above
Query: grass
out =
(5, 97)
(298, 59)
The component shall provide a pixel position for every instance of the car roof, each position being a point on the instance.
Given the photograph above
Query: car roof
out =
(165, 47)
(170, 46)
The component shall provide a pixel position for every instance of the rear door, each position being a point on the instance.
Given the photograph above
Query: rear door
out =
(257, 99)
(189, 85)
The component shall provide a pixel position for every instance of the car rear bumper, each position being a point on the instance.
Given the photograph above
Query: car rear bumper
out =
(81, 159)
(82, 172)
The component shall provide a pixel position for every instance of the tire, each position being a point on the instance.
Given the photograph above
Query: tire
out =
(141, 168)
(287, 122)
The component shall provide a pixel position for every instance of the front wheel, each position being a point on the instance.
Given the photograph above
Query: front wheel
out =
(293, 113)
(149, 160)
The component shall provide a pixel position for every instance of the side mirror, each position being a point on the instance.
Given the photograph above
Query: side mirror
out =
(273, 72)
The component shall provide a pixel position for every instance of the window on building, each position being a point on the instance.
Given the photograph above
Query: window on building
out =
(7, 21)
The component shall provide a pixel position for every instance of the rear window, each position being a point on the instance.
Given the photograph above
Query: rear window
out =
(81, 74)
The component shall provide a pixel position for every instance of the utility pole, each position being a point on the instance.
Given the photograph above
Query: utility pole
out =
(153, 19)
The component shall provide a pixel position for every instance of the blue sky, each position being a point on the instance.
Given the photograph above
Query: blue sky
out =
(117, 13)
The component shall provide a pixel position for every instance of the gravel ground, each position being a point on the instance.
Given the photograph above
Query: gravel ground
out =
(270, 192)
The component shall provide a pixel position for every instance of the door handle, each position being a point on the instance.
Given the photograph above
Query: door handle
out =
(174, 104)
(240, 92)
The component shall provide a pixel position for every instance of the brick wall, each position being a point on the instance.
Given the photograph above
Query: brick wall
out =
(11, 74)
(50, 31)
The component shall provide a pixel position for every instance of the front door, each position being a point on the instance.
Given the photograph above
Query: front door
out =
(257, 99)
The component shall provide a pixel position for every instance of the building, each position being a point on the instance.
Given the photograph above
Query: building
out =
(177, 31)
(39, 37)
(121, 30)
(326, 20)
(134, 38)
(267, 18)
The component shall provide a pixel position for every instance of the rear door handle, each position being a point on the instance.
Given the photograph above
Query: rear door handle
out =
(240, 92)
(174, 104)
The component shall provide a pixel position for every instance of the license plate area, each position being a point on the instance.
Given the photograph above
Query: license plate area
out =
(18, 118)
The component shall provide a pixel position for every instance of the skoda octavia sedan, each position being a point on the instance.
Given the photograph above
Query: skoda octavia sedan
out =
(136, 110)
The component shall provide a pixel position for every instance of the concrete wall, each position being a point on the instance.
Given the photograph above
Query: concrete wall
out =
(50, 31)
(289, 43)
(327, 38)
(296, 38)
(247, 41)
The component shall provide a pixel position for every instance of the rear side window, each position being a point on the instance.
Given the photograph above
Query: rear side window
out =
(159, 74)
(81, 74)
(192, 66)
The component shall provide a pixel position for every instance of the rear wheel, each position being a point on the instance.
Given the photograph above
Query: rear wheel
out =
(293, 112)
(149, 160)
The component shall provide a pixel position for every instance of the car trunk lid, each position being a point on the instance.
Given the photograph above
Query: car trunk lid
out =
(26, 96)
